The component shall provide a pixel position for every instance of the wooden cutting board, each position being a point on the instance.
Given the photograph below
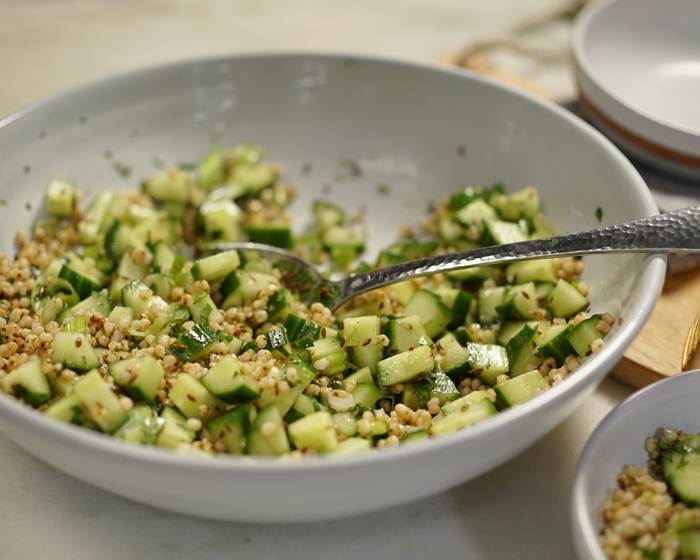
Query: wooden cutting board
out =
(664, 347)
(659, 349)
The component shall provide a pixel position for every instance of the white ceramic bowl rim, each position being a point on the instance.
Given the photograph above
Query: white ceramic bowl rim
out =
(650, 282)
(578, 494)
(579, 37)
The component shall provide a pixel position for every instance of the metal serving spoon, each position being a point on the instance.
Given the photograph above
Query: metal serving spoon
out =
(677, 231)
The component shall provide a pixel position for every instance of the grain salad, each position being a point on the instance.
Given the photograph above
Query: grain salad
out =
(118, 316)
(654, 513)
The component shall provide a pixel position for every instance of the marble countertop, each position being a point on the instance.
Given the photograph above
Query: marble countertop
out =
(519, 510)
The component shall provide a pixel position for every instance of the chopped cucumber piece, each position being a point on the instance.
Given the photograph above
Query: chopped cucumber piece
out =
(169, 186)
(221, 219)
(539, 270)
(211, 171)
(475, 212)
(565, 300)
(460, 303)
(74, 351)
(268, 436)
(689, 542)
(402, 292)
(193, 344)
(327, 215)
(581, 336)
(462, 403)
(193, 399)
(95, 219)
(279, 306)
(83, 281)
(522, 352)
(434, 385)
(226, 381)
(555, 343)
(520, 389)
(271, 234)
(253, 178)
(406, 333)
(64, 409)
(28, 382)
(490, 299)
(454, 357)
(366, 395)
(497, 232)
(277, 342)
(363, 375)
(141, 426)
(285, 401)
(120, 238)
(173, 429)
(216, 267)
(138, 377)
(433, 313)
(488, 361)
(163, 257)
(98, 303)
(352, 446)
(510, 329)
(231, 429)
(473, 414)
(520, 301)
(681, 469)
(330, 350)
(405, 366)
(301, 332)
(315, 432)
(61, 198)
(142, 301)
(361, 331)
(99, 402)
(242, 286)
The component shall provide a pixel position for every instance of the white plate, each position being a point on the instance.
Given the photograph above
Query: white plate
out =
(638, 68)
(424, 131)
(619, 441)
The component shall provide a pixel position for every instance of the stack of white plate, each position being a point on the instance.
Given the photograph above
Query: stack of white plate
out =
(638, 72)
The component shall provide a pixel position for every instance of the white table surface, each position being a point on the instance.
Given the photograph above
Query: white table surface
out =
(520, 510)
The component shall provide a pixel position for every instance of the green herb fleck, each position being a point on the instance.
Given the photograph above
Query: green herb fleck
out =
(461, 151)
(352, 167)
(383, 189)
(306, 168)
(42, 134)
(187, 165)
(82, 119)
(599, 214)
(3, 201)
(28, 206)
(108, 154)
(157, 162)
(26, 169)
(122, 169)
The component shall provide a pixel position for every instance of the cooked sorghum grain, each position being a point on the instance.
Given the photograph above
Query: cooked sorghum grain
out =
(110, 278)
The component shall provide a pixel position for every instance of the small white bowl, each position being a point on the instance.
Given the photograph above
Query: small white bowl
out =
(638, 70)
(423, 130)
(619, 441)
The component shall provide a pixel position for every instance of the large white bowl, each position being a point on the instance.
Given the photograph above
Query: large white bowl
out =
(638, 69)
(619, 441)
(406, 125)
